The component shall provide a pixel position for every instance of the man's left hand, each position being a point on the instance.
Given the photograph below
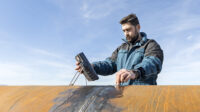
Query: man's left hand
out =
(124, 75)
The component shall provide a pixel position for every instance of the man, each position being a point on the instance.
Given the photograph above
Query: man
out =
(137, 61)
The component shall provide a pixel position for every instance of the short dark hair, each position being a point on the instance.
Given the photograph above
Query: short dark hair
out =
(131, 18)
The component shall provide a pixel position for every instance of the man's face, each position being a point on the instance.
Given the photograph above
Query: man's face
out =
(130, 31)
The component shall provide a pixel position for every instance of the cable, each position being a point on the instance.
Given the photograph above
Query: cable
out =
(85, 81)
(74, 79)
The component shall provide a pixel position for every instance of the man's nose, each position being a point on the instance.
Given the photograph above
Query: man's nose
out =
(126, 34)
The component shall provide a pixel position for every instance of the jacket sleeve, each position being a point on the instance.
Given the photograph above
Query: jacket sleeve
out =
(151, 64)
(108, 66)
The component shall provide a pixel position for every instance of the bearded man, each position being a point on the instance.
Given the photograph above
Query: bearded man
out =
(137, 61)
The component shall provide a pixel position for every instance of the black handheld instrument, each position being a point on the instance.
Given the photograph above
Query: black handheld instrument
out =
(87, 68)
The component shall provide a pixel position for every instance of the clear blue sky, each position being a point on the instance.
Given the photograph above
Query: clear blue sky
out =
(39, 38)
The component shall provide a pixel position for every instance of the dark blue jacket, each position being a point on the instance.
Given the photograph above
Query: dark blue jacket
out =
(143, 56)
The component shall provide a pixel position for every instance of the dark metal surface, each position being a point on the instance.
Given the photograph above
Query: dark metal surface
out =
(87, 99)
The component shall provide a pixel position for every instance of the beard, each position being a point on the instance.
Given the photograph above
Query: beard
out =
(132, 39)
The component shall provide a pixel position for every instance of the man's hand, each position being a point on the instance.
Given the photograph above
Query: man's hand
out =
(124, 75)
(78, 67)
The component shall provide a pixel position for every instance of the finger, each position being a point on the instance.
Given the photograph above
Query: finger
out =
(121, 71)
(123, 76)
(117, 79)
(118, 76)
(80, 70)
(77, 68)
(127, 78)
(77, 63)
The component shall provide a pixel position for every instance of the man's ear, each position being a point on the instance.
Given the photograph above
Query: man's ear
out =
(138, 27)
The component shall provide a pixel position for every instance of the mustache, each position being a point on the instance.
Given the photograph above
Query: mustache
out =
(132, 38)
(128, 37)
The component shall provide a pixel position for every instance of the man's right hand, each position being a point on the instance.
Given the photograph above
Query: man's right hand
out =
(78, 67)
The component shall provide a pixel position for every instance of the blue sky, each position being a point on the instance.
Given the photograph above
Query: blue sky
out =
(39, 38)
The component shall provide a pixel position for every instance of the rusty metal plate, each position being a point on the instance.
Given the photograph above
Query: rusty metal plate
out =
(99, 99)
